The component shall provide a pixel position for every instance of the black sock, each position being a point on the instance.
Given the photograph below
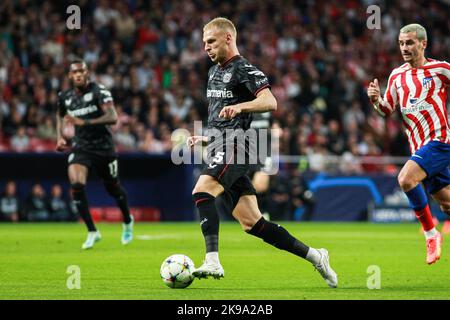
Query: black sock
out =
(279, 237)
(119, 194)
(80, 200)
(209, 219)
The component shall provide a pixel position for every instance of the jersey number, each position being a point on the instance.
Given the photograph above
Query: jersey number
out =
(218, 158)
(113, 169)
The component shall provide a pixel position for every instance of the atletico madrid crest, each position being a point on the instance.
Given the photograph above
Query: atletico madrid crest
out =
(426, 82)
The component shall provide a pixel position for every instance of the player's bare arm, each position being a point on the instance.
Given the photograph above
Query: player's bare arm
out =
(109, 117)
(265, 101)
(61, 143)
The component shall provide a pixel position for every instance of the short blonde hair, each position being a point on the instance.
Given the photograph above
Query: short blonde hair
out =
(222, 23)
(420, 31)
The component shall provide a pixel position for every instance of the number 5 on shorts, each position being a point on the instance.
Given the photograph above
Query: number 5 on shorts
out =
(218, 158)
(113, 168)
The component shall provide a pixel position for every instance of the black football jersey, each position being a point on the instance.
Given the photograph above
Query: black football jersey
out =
(234, 82)
(87, 105)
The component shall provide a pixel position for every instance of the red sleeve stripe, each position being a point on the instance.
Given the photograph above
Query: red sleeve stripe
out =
(389, 98)
(385, 110)
(438, 65)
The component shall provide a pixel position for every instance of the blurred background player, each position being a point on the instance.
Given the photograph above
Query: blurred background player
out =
(420, 87)
(235, 90)
(258, 174)
(89, 107)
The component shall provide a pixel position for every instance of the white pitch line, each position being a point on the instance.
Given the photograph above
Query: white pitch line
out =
(157, 237)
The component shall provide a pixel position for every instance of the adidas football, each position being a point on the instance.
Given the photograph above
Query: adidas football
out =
(176, 271)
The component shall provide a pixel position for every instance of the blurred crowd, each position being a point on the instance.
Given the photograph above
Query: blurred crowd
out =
(37, 205)
(319, 57)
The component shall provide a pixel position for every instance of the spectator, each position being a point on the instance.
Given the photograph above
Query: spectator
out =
(152, 55)
(59, 209)
(10, 205)
(46, 130)
(125, 139)
(20, 142)
(150, 144)
(36, 206)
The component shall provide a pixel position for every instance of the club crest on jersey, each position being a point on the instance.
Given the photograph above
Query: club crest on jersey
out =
(426, 82)
(227, 77)
(87, 97)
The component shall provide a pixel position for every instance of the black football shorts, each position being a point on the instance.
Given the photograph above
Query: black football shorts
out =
(104, 165)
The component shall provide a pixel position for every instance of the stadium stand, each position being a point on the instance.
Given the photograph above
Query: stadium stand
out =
(318, 55)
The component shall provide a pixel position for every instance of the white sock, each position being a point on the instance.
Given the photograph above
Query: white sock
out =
(313, 256)
(212, 257)
(430, 233)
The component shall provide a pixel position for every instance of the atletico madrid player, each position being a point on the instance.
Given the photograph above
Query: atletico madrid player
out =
(419, 87)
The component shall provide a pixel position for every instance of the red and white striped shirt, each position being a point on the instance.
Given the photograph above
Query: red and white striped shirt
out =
(422, 96)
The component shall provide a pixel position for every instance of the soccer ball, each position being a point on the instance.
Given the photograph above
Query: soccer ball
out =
(176, 271)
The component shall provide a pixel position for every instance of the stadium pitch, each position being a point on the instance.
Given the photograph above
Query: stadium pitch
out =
(37, 261)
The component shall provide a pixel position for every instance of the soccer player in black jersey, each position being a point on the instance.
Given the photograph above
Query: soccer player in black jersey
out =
(89, 107)
(235, 90)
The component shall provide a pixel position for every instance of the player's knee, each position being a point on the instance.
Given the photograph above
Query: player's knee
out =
(445, 207)
(207, 187)
(405, 182)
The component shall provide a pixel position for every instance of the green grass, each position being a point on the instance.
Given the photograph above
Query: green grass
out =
(34, 259)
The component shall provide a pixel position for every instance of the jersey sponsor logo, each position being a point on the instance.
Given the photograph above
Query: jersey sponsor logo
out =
(418, 107)
(219, 93)
(83, 111)
(227, 77)
(426, 82)
(87, 97)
